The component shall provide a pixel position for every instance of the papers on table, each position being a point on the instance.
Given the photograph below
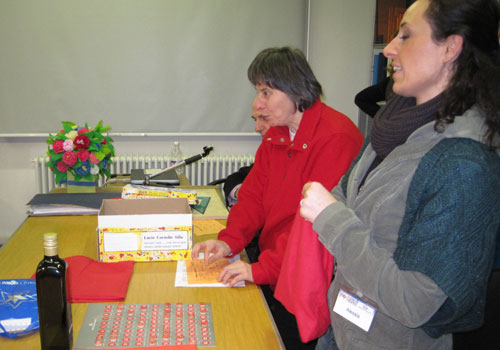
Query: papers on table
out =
(89, 203)
(60, 209)
(181, 276)
(68, 203)
(207, 227)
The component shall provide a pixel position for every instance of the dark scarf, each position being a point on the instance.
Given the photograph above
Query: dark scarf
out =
(398, 119)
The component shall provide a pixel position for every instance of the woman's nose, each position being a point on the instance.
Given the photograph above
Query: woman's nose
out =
(390, 49)
(259, 103)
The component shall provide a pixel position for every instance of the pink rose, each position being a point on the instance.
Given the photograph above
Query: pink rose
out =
(83, 155)
(69, 158)
(94, 159)
(68, 145)
(58, 146)
(82, 130)
(82, 142)
(62, 167)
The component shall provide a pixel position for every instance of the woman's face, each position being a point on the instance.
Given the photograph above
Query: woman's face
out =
(276, 107)
(420, 69)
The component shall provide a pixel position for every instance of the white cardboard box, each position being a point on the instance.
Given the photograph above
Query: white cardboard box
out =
(146, 229)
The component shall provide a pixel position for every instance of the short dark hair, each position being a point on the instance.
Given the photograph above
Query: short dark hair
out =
(286, 69)
(476, 75)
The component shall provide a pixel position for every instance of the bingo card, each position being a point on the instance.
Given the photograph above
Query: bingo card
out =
(122, 326)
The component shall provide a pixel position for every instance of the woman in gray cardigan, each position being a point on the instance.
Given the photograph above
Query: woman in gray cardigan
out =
(413, 224)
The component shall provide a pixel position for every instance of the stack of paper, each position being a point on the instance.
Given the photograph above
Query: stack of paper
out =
(68, 203)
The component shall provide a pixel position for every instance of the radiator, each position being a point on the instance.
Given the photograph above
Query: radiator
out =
(199, 173)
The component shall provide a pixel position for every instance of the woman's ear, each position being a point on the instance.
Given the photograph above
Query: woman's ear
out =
(453, 47)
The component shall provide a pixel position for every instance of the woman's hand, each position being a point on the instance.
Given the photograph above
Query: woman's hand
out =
(213, 250)
(236, 272)
(316, 199)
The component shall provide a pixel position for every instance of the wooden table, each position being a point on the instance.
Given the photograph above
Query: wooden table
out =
(241, 317)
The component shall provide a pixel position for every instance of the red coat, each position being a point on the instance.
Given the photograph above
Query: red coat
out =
(323, 148)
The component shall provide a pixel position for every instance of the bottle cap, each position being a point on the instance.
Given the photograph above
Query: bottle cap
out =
(50, 243)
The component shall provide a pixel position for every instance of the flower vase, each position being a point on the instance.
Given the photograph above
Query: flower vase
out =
(81, 186)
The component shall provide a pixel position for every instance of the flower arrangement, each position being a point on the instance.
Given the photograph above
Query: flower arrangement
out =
(83, 152)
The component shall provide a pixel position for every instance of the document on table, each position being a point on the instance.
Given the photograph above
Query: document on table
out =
(55, 209)
(206, 275)
(48, 204)
(207, 227)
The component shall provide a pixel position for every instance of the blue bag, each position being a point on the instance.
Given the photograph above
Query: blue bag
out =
(18, 308)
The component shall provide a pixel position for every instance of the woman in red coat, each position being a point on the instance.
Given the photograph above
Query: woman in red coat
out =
(307, 141)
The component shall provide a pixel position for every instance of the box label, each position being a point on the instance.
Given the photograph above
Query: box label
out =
(123, 242)
(165, 240)
(145, 244)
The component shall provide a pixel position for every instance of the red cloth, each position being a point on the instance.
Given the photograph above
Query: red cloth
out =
(90, 281)
(304, 279)
(325, 145)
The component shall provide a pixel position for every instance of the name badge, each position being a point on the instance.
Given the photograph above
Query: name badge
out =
(354, 310)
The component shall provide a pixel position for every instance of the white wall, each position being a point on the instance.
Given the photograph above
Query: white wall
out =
(145, 61)
(340, 54)
(340, 50)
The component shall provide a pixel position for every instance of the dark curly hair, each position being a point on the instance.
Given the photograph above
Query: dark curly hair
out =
(476, 79)
(286, 69)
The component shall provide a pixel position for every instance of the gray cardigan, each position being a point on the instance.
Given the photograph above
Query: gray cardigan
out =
(423, 258)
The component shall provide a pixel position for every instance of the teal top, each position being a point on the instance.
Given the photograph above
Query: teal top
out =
(456, 176)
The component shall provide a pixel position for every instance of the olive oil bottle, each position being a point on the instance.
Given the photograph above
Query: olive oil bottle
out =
(54, 310)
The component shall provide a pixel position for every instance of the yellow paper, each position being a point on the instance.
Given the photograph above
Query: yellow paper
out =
(207, 227)
(200, 273)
